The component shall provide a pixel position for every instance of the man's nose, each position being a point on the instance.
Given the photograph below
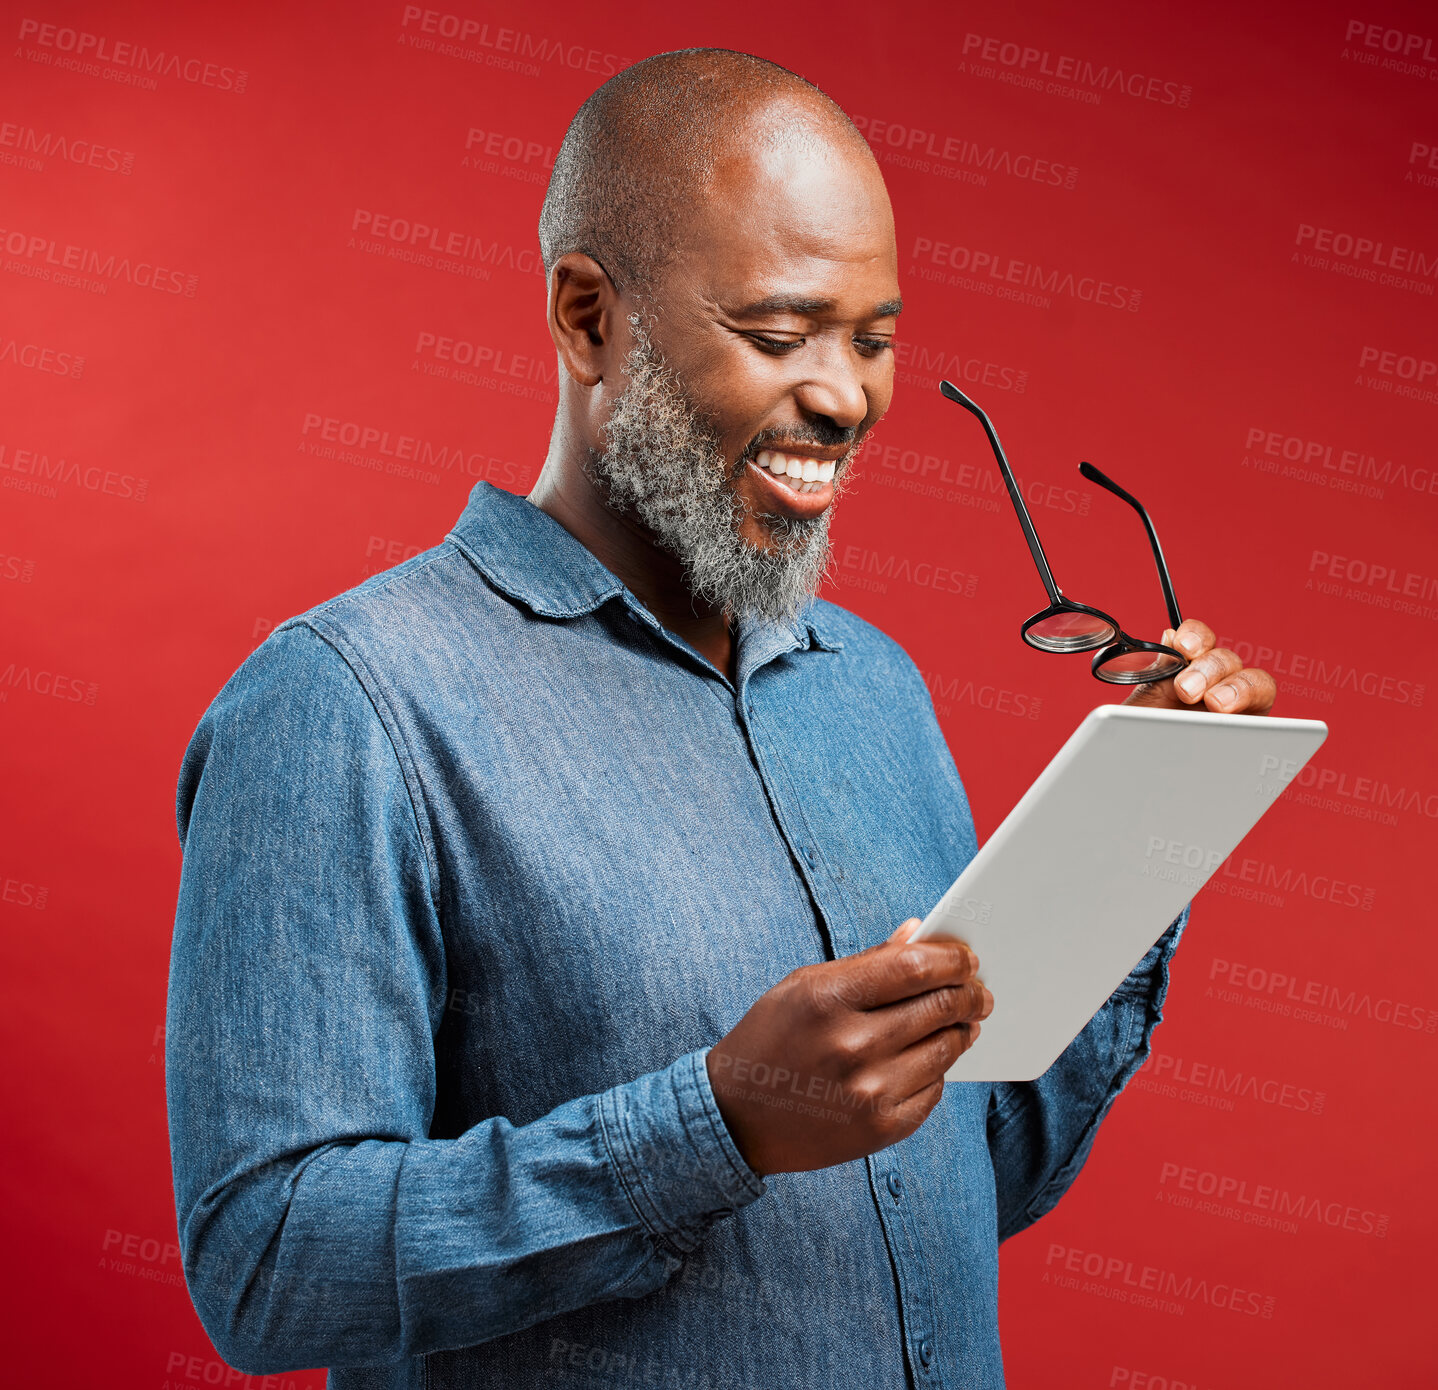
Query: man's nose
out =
(834, 389)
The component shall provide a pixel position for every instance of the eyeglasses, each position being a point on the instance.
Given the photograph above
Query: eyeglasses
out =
(1067, 626)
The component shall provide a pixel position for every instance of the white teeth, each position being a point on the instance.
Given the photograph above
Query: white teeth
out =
(806, 475)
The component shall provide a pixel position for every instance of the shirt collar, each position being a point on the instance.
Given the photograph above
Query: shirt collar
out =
(528, 555)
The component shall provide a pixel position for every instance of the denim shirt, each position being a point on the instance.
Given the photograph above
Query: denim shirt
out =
(479, 861)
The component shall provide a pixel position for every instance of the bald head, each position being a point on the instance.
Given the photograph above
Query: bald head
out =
(640, 157)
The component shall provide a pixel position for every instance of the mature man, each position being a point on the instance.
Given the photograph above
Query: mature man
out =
(538, 1014)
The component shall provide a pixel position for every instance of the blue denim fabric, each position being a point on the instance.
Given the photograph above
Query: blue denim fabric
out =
(479, 860)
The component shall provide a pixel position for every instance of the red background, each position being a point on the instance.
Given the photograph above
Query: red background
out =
(125, 607)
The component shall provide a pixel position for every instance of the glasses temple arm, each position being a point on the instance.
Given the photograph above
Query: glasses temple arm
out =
(1094, 476)
(952, 392)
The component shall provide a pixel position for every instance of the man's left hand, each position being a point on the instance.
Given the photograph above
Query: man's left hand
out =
(1215, 678)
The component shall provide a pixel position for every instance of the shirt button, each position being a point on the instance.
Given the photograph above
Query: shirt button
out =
(896, 1186)
(812, 855)
(926, 1350)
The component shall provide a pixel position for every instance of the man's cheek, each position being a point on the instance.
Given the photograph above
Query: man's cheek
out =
(736, 401)
(751, 409)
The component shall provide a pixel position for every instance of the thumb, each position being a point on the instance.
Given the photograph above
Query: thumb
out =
(904, 930)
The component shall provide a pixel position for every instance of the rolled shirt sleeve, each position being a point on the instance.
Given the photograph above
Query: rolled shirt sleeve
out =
(320, 1225)
(1041, 1132)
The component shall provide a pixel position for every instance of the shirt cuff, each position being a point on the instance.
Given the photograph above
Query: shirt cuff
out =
(674, 1154)
(1149, 978)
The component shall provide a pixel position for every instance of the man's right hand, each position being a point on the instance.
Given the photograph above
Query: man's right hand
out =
(846, 1057)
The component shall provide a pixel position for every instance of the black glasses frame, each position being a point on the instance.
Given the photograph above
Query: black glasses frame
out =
(1115, 642)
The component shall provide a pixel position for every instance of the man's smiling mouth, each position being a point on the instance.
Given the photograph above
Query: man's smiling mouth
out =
(798, 471)
(798, 481)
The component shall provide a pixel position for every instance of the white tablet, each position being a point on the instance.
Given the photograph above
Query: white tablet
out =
(1121, 829)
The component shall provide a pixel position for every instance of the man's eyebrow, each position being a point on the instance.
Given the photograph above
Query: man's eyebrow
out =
(799, 304)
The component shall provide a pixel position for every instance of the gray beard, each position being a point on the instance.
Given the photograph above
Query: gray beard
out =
(662, 463)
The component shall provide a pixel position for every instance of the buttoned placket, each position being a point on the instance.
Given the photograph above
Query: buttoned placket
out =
(893, 1198)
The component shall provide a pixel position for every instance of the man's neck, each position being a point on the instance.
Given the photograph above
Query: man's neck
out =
(627, 550)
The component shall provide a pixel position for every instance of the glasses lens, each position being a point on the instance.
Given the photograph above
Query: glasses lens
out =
(1133, 668)
(1070, 632)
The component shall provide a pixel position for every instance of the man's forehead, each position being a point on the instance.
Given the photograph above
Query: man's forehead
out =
(828, 262)
(788, 161)
(812, 236)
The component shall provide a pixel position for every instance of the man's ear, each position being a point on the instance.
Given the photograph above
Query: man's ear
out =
(583, 306)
